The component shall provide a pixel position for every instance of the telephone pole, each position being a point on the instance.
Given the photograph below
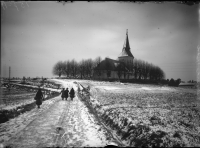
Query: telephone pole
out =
(9, 79)
(9, 74)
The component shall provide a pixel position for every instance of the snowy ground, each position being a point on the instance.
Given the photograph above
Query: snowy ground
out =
(57, 123)
(148, 115)
(18, 96)
(155, 114)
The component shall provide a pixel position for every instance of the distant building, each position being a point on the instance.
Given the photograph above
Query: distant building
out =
(116, 69)
(188, 85)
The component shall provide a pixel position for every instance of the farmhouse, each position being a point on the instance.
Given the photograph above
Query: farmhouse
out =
(188, 85)
(116, 69)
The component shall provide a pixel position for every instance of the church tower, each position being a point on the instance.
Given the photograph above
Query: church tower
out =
(126, 55)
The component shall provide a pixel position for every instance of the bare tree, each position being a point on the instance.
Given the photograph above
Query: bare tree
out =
(82, 68)
(160, 73)
(97, 61)
(58, 68)
(144, 70)
(108, 67)
(89, 67)
(95, 68)
(66, 68)
(136, 68)
(73, 68)
(147, 72)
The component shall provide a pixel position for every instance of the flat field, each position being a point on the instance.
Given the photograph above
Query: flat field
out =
(15, 97)
(149, 115)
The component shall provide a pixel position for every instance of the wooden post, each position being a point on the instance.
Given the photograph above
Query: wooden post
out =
(9, 75)
(9, 80)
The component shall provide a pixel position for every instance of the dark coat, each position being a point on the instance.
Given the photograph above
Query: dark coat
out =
(72, 93)
(63, 93)
(66, 93)
(38, 97)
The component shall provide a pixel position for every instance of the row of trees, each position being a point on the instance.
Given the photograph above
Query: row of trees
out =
(138, 69)
(144, 70)
(173, 82)
(74, 69)
(83, 69)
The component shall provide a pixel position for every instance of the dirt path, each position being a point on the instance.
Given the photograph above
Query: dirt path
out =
(65, 123)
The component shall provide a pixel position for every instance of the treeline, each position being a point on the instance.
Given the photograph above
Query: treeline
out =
(139, 69)
(173, 82)
(144, 70)
(74, 69)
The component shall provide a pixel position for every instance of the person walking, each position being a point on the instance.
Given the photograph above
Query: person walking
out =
(72, 94)
(66, 93)
(62, 93)
(39, 97)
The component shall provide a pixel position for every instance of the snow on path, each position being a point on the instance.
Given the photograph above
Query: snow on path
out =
(65, 123)
(13, 126)
(39, 132)
(79, 128)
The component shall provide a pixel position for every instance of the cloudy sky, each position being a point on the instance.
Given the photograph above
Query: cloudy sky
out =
(36, 35)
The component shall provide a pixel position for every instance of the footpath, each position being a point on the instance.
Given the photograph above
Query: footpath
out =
(58, 123)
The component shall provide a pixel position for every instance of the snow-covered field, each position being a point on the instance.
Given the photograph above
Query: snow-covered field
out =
(58, 123)
(15, 97)
(13, 126)
(138, 114)
(21, 94)
(19, 98)
(148, 114)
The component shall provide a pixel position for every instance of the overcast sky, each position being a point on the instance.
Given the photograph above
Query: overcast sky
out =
(36, 35)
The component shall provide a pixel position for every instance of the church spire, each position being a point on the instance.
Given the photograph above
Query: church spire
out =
(126, 48)
(127, 41)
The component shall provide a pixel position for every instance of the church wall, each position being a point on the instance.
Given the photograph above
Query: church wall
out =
(114, 75)
(103, 75)
(125, 58)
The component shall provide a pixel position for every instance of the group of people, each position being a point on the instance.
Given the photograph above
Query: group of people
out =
(64, 94)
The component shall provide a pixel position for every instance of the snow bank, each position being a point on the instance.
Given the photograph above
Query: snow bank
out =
(11, 111)
(109, 87)
(142, 130)
(146, 88)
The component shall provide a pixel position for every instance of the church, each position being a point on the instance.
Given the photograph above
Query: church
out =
(116, 69)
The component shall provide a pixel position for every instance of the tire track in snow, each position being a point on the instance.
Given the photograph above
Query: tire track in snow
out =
(75, 130)
(18, 124)
(38, 133)
(79, 128)
(65, 123)
(59, 131)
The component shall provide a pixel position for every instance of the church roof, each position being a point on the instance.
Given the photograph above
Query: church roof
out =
(109, 64)
(126, 48)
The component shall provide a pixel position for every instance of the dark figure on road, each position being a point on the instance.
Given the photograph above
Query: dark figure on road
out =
(72, 94)
(62, 93)
(38, 98)
(66, 93)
